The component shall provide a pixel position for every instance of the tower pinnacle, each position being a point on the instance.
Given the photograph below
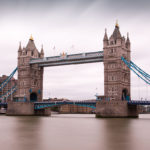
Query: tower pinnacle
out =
(105, 36)
(128, 41)
(31, 38)
(19, 47)
(117, 25)
(42, 52)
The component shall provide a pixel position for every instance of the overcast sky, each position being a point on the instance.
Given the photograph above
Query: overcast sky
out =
(81, 23)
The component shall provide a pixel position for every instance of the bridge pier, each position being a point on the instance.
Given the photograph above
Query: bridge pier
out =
(115, 109)
(25, 109)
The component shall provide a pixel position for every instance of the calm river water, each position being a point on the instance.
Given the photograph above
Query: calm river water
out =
(74, 132)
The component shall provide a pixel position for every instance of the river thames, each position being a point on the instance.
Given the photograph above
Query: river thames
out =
(74, 132)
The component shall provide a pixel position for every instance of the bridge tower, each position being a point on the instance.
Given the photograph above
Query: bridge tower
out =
(30, 77)
(116, 73)
(116, 78)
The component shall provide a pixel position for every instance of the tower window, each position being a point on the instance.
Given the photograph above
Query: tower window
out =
(112, 89)
(111, 42)
(32, 53)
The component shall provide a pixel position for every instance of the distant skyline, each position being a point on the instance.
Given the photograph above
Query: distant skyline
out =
(74, 26)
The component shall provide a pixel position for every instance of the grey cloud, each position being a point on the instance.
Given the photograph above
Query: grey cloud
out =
(55, 22)
(44, 5)
(127, 5)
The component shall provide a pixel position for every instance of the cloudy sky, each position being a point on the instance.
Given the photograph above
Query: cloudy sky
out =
(74, 26)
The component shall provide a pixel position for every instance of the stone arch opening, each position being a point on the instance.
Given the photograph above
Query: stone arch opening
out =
(125, 95)
(33, 97)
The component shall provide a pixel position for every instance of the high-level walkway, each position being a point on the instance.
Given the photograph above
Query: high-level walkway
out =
(65, 59)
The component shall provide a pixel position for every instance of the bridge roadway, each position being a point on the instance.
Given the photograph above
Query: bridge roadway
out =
(41, 105)
(91, 104)
(65, 59)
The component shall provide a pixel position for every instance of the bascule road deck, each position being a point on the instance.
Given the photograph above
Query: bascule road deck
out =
(65, 59)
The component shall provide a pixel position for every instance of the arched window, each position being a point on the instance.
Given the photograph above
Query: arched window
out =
(111, 42)
(32, 53)
(33, 97)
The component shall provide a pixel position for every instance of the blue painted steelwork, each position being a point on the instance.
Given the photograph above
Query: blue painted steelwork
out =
(8, 93)
(138, 71)
(4, 83)
(65, 59)
(42, 105)
(144, 74)
(30, 90)
(84, 105)
(142, 71)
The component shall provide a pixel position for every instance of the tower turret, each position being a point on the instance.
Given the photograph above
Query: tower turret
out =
(116, 36)
(105, 39)
(42, 52)
(123, 42)
(128, 42)
(31, 48)
(19, 49)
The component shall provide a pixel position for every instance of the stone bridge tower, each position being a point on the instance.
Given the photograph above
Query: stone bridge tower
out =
(116, 73)
(30, 77)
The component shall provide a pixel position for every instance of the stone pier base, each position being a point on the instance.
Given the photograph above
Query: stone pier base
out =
(25, 109)
(115, 109)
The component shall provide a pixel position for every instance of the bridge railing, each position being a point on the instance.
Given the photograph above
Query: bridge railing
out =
(42, 105)
(68, 57)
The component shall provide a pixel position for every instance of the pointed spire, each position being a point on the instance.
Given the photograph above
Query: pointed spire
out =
(116, 34)
(42, 50)
(128, 40)
(31, 45)
(105, 36)
(31, 38)
(127, 35)
(63, 54)
(117, 25)
(20, 49)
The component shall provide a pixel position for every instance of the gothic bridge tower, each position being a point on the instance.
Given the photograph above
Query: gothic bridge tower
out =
(30, 77)
(116, 73)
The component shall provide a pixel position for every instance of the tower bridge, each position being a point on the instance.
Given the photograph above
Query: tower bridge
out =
(117, 65)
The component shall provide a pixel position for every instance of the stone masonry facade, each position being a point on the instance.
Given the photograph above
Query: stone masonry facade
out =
(30, 77)
(116, 73)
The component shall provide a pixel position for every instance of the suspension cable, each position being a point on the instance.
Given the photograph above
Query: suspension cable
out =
(5, 82)
(134, 69)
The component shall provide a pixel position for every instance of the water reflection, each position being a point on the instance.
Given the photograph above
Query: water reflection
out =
(74, 132)
(117, 134)
(27, 131)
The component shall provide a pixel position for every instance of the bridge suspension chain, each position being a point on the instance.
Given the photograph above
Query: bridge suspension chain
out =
(5, 82)
(8, 93)
(143, 73)
(138, 71)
